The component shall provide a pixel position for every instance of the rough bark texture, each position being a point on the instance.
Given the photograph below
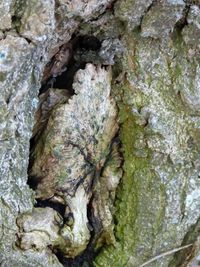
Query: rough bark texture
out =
(99, 133)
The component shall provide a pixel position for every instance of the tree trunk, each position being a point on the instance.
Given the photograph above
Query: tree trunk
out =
(99, 133)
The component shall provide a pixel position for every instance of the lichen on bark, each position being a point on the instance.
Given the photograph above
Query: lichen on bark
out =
(158, 101)
(25, 50)
(75, 164)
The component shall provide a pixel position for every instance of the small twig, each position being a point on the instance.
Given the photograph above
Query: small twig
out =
(165, 254)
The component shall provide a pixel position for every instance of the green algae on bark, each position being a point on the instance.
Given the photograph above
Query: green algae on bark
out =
(158, 200)
(25, 48)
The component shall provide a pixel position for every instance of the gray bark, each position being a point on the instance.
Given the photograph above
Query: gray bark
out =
(99, 133)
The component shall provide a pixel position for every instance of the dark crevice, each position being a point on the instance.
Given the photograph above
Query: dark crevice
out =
(87, 42)
(19, 8)
(32, 181)
(183, 21)
(80, 46)
(16, 23)
(154, 2)
(120, 185)
(192, 2)
(85, 259)
(179, 26)
(111, 7)
(8, 99)
(187, 254)
(59, 207)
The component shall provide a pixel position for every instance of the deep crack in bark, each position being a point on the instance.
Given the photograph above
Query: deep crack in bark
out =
(79, 45)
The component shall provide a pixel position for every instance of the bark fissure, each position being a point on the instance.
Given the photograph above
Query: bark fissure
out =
(60, 73)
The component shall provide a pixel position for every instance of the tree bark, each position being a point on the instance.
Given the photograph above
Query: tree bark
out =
(99, 133)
